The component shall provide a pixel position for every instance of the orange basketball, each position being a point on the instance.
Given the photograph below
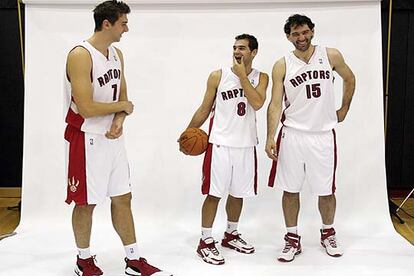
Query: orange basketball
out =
(193, 141)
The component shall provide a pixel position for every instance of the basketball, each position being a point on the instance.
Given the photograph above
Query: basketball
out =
(193, 141)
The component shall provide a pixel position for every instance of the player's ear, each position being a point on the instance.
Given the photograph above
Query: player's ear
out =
(254, 52)
(106, 24)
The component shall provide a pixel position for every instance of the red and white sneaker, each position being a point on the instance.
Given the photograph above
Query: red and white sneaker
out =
(291, 249)
(329, 242)
(235, 242)
(87, 267)
(208, 252)
(142, 268)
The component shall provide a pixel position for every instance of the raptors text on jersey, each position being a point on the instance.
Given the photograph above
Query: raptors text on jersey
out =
(106, 83)
(309, 93)
(233, 119)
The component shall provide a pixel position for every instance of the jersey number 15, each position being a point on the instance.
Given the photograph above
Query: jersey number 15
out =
(313, 90)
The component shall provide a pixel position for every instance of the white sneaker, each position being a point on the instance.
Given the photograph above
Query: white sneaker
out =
(208, 252)
(291, 249)
(235, 242)
(329, 242)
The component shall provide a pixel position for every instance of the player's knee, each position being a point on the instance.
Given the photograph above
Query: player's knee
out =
(212, 199)
(290, 195)
(122, 199)
(84, 208)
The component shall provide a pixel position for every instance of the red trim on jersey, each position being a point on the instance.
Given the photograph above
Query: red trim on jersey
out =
(76, 189)
(335, 162)
(205, 187)
(255, 171)
(272, 175)
(73, 119)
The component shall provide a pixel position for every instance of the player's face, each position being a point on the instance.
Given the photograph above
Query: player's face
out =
(119, 27)
(241, 49)
(301, 37)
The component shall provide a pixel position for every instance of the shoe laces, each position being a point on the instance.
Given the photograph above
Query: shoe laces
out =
(332, 241)
(289, 243)
(213, 248)
(236, 237)
(329, 234)
(241, 240)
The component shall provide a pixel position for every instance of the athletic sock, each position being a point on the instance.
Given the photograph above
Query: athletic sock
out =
(205, 233)
(131, 251)
(84, 253)
(231, 226)
(324, 226)
(293, 230)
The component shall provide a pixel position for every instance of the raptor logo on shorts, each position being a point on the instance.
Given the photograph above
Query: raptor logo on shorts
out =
(73, 184)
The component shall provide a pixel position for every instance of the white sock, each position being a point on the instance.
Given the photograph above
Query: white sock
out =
(205, 233)
(231, 226)
(131, 251)
(324, 226)
(293, 229)
(84, 253)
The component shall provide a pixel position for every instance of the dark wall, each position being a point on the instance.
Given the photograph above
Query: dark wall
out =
(399, 144)
(12, 96)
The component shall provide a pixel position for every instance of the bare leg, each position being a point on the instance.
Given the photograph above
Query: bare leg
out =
(291, 205)
(122, 219)
(327, 207)
(234, 207)
(209, 210)
(82, 224)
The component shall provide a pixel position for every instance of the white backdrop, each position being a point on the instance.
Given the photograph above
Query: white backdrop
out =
(169, 53)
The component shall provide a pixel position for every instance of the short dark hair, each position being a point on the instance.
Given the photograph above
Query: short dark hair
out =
(253, 44)
(110, 10)
(297, 20)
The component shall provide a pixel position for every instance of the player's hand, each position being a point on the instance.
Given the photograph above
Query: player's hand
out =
(271, 149)
(116, 129)
(179, 145)
(341, 114)
(239, 68)
(129, 107)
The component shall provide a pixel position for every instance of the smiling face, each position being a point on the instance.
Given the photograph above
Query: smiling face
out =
(241, 49)
(301, 37)
(118, 28)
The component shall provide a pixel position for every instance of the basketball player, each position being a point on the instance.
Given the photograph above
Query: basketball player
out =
(98, 165)
(305, 151)
(232, 97)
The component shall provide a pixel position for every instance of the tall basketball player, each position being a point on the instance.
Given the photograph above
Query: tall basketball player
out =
(305, 150)
(230, 168)
(97, 162)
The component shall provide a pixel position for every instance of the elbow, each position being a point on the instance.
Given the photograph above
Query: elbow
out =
(257, 105)
(85, 112)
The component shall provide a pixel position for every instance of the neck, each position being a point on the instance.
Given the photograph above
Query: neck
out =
(305, 55)
(100, 42)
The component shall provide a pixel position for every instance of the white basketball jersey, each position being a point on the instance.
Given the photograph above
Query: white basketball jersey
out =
(106, 83)
(233, 119)
(309, 93)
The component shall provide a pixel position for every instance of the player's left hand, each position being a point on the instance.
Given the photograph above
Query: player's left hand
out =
(239, 68)
(115, 131)
(341, 114)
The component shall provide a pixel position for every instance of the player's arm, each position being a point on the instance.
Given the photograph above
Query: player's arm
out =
(78, 68)
(275, 107)
(255, 96)
(338, 64)
(117, 123)
(202, 113)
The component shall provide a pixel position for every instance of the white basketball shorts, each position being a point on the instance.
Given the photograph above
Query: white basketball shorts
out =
(229, 170)
(305, 157)
(97, 167)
